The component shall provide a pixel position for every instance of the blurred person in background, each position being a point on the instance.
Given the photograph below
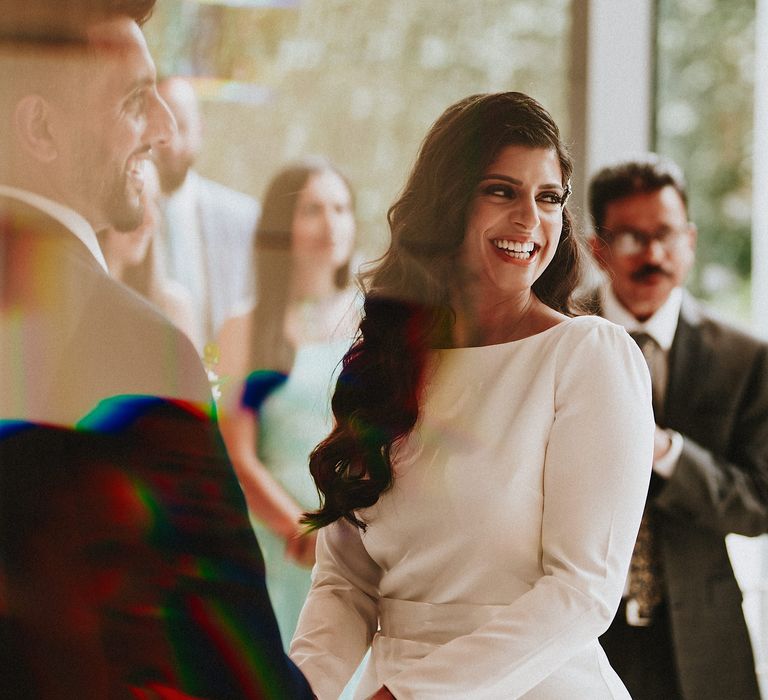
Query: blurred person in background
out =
(208, 229)
(680, 631)
(291, 343)
(134, 258)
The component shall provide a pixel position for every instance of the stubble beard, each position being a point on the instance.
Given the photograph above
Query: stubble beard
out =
(123, 213)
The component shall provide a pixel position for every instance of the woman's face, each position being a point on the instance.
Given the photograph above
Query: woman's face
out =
(323, 223)
(514, 222)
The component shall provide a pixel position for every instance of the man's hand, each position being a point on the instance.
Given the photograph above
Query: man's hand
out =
(661, 443)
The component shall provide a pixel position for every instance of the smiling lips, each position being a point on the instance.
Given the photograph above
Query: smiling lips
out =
(516, 249)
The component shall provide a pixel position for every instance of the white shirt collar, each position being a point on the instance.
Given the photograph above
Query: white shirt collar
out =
(67, 217)
(661, 326)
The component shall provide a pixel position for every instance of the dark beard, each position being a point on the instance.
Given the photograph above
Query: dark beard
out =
(648, 270)
(123, 214)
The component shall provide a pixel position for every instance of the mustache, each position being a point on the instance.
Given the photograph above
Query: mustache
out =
(647, 270)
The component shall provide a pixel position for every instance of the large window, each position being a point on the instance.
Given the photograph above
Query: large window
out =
(704, 89)
(356, 80)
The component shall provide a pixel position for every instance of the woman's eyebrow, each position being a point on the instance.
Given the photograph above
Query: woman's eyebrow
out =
(506, 178)
(515, 181)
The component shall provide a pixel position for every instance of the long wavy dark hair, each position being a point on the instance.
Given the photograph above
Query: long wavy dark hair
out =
(270, 349)
(407, 309)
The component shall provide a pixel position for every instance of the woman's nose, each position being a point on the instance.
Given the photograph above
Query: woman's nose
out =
(525, 213)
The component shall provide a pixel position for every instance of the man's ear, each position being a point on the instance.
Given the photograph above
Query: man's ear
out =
(32, 123)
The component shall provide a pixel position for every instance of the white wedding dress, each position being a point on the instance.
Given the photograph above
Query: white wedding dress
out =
(499, 556)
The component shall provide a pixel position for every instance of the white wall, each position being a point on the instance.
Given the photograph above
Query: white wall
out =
(611, 83)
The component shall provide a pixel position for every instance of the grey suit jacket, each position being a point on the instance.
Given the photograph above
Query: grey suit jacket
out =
(227, 222)
(79, 349)
(717, 398)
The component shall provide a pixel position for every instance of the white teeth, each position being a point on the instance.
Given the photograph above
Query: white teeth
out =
(515, 249)
(136, 168)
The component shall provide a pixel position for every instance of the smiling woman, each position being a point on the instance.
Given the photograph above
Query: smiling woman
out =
(513, 230)
(470, 411)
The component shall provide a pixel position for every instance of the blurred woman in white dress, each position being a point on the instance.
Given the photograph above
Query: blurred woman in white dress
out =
(283, 356)
(485, 479)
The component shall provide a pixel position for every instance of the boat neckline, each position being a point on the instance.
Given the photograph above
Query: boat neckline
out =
(546, 331)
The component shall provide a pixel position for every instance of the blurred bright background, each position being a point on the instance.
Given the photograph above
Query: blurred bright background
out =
(360, 81)
(356, 80)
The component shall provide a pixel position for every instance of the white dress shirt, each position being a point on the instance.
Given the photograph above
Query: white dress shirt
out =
(661, 327)
(184, 251)
(67, 217)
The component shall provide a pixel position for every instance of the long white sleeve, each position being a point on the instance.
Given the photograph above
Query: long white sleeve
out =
(340, 615)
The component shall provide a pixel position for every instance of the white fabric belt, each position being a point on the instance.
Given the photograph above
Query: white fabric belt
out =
(436, 623)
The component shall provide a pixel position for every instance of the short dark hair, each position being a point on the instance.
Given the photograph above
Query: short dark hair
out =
(62, 22)
(42, 43)
(646, 173)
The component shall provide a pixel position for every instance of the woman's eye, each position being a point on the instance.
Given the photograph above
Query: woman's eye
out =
(499, 191)
(551, 198)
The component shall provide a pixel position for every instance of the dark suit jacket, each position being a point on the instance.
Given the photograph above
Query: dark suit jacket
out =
(717, 398)
(95, 383)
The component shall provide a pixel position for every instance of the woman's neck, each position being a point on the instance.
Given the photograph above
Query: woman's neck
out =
(313, 285)
(483, 323)
(318, 319)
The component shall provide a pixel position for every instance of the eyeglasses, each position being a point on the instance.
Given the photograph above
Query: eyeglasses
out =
(629, 242)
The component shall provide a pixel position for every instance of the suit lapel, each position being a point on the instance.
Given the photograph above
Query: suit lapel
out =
(688, 359)
(48, 282)
(19, 220)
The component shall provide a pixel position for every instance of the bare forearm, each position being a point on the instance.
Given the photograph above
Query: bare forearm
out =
(266, 498)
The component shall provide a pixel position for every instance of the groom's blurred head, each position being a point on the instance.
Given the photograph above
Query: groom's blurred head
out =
(81, 110)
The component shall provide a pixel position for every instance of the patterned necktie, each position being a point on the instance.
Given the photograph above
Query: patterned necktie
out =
(645, 573)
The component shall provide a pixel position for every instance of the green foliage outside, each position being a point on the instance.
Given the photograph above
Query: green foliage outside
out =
(705, 65)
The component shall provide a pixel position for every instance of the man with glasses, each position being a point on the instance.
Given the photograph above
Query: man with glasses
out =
(680, 630)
